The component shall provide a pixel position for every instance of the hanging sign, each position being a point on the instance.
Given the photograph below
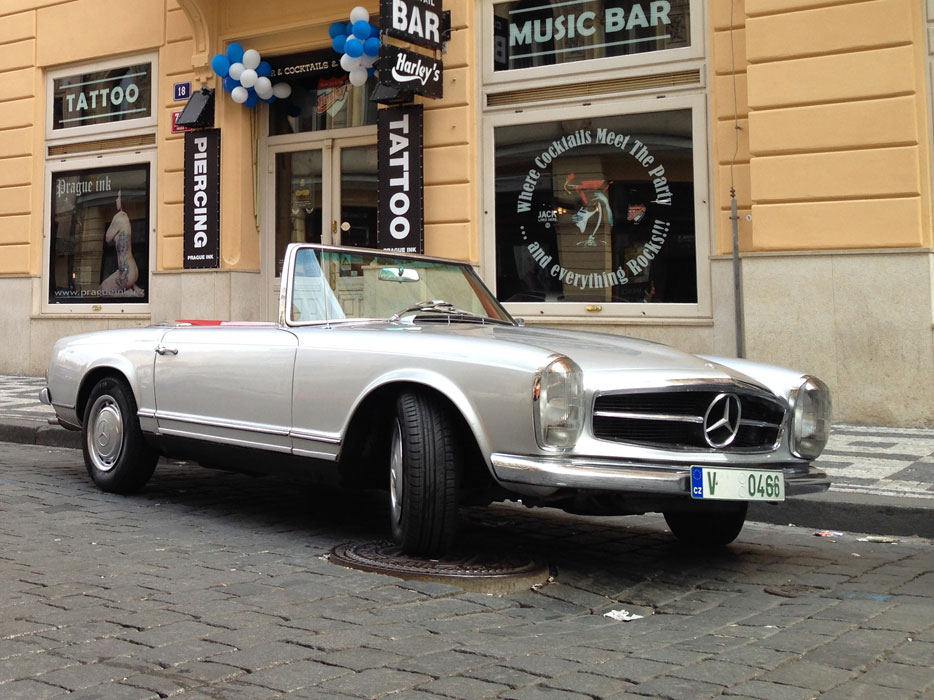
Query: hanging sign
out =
(400, 215)
(202, 199)
(415, 21)
(410, 71)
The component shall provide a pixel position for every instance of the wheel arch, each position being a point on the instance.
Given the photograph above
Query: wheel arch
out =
(116, 369)
(371, 417)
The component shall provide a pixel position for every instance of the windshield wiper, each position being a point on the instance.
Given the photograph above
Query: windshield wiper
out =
(439, 306)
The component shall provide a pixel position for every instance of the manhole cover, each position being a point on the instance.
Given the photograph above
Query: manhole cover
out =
(493, 572)
(793, 590)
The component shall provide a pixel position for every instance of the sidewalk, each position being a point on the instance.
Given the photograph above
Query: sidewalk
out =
(883, 478)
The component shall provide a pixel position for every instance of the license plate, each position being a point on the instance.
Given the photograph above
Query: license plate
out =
(731, 484)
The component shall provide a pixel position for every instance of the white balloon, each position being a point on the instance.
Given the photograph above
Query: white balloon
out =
(248, 78)
(251, 58)
(358, 76)
(367, 61)
(348, 63)
(239, 94)
(236, 69)
(263, 88)
(281, 90)
(359, 13)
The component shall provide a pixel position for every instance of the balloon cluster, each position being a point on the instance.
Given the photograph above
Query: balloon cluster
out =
(246, 76)
(358, 41)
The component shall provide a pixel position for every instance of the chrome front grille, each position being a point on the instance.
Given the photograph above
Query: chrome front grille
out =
(675, 419)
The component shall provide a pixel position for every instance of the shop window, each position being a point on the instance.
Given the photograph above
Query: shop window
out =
(600, 210)
(99, 235)
(322, 97)
(99, 185)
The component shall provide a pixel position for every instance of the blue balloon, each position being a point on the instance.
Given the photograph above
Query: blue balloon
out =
(252, 99)
(229, 84)
(370, 71)
(292, 109)
(361, 30)
(371, 46)
(374, 31)
(234, 52)
(353, 48)
(267, 100)
(348, 28)
(336, 29)
(220, 65)
(263, 70)
(339, 42)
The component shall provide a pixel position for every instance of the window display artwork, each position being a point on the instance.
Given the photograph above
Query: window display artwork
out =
(597, 210)
(99, 236)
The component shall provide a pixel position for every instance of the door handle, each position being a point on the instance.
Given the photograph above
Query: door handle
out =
(162, 350)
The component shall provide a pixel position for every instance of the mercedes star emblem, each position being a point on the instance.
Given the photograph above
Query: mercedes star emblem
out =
(721, 422)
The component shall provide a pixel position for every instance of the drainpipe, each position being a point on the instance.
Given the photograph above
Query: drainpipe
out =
(737, 279)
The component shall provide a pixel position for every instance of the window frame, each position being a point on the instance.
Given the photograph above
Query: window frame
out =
(608, 107)
(92, 308)
(106, 129)
(540, 76)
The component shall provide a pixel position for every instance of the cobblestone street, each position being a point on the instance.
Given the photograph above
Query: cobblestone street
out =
(214, 585)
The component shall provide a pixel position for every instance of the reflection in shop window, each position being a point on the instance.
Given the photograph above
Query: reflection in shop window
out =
(99, 238)
(596, 210)
(322, 102)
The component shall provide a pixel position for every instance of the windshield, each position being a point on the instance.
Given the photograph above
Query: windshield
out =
(333, 284)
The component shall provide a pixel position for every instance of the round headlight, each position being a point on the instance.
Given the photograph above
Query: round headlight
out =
(811, 424)
(558, 398)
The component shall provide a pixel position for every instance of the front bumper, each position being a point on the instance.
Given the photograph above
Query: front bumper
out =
(642, 479)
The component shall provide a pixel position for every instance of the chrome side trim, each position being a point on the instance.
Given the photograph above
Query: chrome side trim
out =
(314, 437)
(285, 449)
(45, 397)
(229, 425)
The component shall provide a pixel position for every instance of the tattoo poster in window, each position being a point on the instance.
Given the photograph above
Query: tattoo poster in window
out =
(99, 237)
(597, 210)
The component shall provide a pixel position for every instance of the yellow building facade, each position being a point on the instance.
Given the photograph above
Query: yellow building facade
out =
(585, 156)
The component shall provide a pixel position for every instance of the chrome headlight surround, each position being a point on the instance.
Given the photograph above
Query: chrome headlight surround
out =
(810, 426)
(558, 404)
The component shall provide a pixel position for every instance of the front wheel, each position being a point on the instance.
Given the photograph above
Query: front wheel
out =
(708, 526)
(424, 466)
(115, 452)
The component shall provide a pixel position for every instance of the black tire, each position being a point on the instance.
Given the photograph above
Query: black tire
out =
(115, 452)
(708, 526)
(424, 472)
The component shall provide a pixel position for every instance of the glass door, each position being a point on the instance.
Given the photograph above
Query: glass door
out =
(320, 192)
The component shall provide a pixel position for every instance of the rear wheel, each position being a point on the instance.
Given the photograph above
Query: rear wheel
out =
(423, 475)
(115, 452)
(708, 526)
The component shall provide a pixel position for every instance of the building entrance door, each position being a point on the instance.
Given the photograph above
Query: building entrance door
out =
(323, 191)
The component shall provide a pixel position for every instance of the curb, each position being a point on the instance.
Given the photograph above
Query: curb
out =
(834, 510)
(29, 432)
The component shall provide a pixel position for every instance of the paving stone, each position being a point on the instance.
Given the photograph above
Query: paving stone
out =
(29, 690)
(763, 690)
(542, 693)
(31, 664)
(84, 675)
(891, 675)
(589, 684)
(464, 688)
(806, 674)
(375, 682)
(678, 688)
(295, 675)
(857, 690)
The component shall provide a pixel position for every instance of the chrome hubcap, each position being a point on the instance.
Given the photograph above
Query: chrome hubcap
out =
(396, 473)
(105, 433)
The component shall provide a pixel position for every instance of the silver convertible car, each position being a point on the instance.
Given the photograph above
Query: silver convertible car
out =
(403, 372)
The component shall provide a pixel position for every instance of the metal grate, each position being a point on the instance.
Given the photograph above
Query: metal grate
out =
(675, 420)
(598, 87)
(68, 149)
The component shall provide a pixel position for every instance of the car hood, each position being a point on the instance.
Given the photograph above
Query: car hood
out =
(598, 352)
